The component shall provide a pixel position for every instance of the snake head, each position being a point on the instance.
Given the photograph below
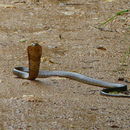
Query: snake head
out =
(34, 44)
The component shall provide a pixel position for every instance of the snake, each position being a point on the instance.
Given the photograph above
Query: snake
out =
(33, 72)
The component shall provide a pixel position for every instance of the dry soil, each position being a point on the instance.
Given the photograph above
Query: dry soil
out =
(69, 32)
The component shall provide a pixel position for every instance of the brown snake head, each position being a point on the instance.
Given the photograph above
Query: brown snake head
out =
(34, 55)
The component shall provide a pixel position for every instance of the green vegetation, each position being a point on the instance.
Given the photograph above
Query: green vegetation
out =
(115, 16)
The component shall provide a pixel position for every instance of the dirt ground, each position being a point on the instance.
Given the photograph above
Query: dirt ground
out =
(69, 33)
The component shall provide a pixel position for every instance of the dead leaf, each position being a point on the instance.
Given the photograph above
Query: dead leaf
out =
(115, 126)
(101, 48)
(120, 79)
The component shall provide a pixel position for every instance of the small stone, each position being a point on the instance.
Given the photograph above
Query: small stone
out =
(1, 81)
(68, 12)
(25, 83)
(7, 6)
(22, 40)
(32, 98)
(94, 109)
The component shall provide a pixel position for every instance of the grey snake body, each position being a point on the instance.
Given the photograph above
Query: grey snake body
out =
(25, 73)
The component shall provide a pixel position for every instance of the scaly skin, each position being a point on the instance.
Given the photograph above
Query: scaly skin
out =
(34, 55)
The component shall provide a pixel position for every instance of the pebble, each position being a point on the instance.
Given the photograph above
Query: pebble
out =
(1, 81)
(7, 6)
(31, 98)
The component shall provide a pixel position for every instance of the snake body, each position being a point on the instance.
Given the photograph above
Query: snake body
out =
(34, 53)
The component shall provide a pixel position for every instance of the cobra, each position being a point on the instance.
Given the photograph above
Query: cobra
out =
(33, 72)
